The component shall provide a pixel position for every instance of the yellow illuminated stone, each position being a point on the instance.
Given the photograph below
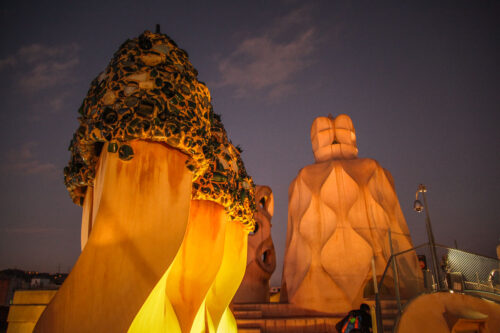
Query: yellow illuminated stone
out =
(134, 239)
(197, 262)
(157, 313)
(228, 277)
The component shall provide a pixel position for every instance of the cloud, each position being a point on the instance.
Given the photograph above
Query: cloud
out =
(41, 66)
(298, 17)
(10, 61)
(57, 103)
(49, 104)
(269, 62)
(25, 161)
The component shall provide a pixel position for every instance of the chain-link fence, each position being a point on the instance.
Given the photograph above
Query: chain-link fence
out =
(413, 272)
(468, 271)
(456, 270)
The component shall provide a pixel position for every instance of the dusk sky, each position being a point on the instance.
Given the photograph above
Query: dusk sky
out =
(420, 80)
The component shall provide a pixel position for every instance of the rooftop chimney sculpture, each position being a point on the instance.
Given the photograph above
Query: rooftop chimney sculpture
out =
(167, 203)
(339, 212)
(261, 258)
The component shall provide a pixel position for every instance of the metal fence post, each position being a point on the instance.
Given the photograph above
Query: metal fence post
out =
(430, 235)
(378, 310)
(395, 271)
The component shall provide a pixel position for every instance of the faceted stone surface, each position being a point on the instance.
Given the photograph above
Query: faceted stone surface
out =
(339, 213)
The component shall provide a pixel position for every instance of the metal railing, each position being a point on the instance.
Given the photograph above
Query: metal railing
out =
(407, 275)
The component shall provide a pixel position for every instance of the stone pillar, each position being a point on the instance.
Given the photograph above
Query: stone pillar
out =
(261, 257)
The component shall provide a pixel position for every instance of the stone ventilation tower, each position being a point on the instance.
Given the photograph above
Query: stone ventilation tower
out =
(339, 212)
(261, 257)
(167, 204)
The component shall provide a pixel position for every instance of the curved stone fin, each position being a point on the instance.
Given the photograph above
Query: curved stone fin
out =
(138, 228)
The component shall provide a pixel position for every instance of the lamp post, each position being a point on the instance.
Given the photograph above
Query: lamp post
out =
(418, 207)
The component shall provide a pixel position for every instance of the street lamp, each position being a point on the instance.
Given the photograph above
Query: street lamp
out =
(418, 207)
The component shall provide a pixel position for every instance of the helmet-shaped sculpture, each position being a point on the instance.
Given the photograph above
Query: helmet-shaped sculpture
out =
(339, 213)
(261, 257)
(333, 138)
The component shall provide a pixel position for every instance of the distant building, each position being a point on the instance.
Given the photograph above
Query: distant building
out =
(12, 280)
(16, 279)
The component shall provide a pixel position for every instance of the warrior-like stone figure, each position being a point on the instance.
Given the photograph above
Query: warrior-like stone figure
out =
(339, 212)
(261, 257)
